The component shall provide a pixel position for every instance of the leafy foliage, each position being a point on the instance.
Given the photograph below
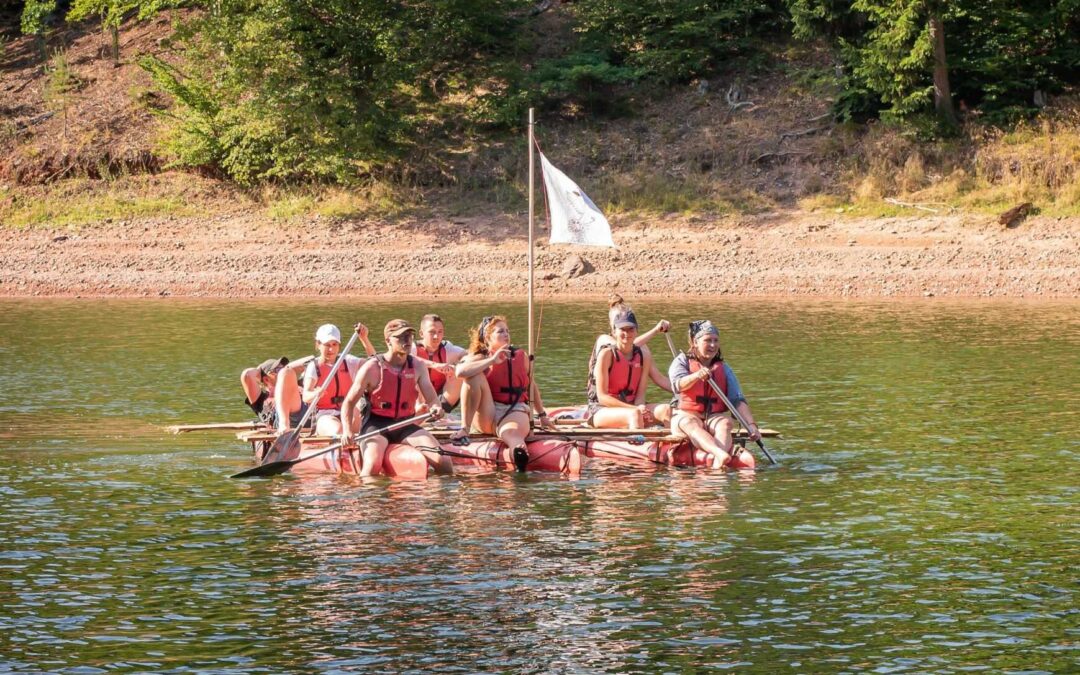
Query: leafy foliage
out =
(675, 40)
(318, 90)
(999, 52)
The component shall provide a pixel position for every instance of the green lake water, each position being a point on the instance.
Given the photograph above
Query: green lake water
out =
(925, 515)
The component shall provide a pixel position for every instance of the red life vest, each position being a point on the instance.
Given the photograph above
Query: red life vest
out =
(334, 394)
(701, 398)
(438, 380)
(509, 380)
(395, 397)
(624, 375)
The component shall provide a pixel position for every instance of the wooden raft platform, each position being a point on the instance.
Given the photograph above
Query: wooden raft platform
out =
(581, 433)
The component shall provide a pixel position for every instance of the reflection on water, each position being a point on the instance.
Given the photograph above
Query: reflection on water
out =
(924, 516)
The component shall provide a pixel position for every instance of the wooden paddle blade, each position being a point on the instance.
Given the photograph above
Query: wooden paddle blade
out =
(282, 446)
(266, 470)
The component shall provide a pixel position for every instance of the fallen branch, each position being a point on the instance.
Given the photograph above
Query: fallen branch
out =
(788, 153)
(897, 202)
(805, 132)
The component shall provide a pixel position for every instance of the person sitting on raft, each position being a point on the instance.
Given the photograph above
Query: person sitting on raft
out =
(699, 414)
(391, 383)
(498, 388)
(328, 406)
(617, 382)
(441, 356)
(617, 306)
(265, 386)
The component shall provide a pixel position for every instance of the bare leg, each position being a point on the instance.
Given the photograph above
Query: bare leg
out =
(720, 427)
(286, 397)
(662, 412)
(618, 418)
(452, 390)
(373, 451)
(477, 407)
(423, 440)
(514, 429)
(700, 438)
(328, 425)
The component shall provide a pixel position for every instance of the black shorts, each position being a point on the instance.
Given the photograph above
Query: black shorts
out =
(378, 423)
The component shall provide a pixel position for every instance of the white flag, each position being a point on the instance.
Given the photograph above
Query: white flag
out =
(574, 217)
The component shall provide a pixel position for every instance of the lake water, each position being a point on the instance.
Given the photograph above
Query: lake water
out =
(925, 516)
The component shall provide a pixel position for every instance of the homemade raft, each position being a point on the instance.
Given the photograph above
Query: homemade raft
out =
(562, 451)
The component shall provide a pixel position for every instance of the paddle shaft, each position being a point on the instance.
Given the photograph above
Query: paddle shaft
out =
(285, 443)
(723, 397)
(281, 466)
(183, 428)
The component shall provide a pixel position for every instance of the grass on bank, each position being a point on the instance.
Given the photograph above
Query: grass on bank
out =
(988, 172)
(81, 202)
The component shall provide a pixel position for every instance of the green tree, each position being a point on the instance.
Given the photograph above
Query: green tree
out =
(907, 56)
(299, 89)
(674, 40)
(35, 16)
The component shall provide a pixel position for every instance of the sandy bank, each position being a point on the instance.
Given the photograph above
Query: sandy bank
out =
(243, 255)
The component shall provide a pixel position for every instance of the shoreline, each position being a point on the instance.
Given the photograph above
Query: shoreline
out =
(793, 255)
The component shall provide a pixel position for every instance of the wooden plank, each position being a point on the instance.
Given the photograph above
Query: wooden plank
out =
(654, 435)
(184, 428)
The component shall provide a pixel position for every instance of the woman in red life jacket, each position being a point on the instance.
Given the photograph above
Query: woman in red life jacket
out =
(700, 414)
(328, 406)
(616, 307)
(618, 380)
(440, 356)
(392, 382)
(498, 389)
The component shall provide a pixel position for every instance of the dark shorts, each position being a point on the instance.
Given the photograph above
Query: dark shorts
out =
(378, 423)
(294, 418)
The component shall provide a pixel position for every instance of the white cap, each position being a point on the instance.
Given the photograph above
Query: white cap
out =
(328, 332)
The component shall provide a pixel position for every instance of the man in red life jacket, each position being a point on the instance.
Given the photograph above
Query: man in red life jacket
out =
(392, 382)
(441, 356)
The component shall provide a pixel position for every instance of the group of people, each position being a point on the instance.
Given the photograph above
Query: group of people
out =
(374, 398)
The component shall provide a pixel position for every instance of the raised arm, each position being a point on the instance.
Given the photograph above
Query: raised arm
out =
(655, 374)
(661, 327)
(474, 364)
(362, 332)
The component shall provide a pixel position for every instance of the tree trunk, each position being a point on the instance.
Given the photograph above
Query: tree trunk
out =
(114, 32)
(942, 92)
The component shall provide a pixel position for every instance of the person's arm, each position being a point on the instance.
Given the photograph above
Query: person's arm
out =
(454, 353)
(661, 327)
(537, 402)
(475, 364)
(738, 399)
(251, 381)
(431, 397)
(311, 379)
(362, 332)
(655, 374)
(679, 374)
(352, 399)
(601, 376)
(301, 363)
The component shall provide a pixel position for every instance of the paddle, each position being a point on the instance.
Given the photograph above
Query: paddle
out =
(281, 466)
(719, 392)
(184, 428)
(284, 443)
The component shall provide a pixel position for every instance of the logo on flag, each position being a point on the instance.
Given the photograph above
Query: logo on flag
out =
(575, 219)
